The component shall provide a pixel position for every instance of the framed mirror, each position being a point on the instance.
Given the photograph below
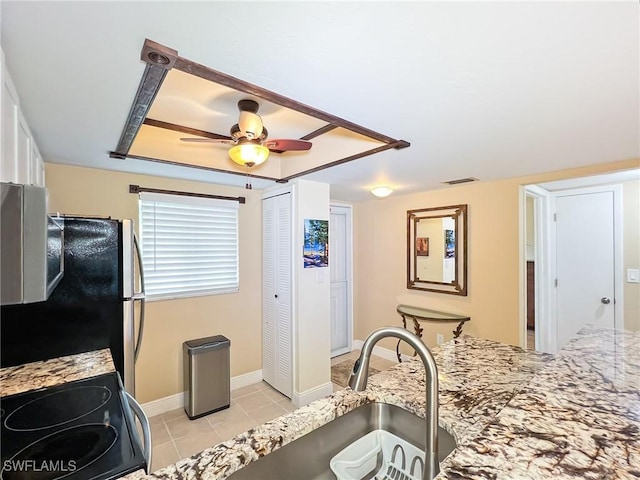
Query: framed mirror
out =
(437, 249)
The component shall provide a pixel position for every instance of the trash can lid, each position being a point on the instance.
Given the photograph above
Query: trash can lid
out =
(215, 342)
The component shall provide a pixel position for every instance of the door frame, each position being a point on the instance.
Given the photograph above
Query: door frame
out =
(545, 291)
(349, 267)
(545, 319)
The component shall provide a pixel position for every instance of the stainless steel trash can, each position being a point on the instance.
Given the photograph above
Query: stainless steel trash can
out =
(206, 375)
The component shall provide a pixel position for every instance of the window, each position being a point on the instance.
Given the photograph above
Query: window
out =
(189, 245)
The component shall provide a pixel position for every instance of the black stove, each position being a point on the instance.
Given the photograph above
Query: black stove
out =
(82, 430)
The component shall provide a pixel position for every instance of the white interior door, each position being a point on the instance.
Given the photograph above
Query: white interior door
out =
(585, 261)
(277, 335)
(339, 256)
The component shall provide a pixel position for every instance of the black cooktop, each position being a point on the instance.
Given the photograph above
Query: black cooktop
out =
(79, 430)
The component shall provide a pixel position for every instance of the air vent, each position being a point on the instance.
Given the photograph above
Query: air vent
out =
(461, 180)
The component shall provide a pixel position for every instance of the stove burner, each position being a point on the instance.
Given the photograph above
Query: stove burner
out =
(61, 454)
(52, 410)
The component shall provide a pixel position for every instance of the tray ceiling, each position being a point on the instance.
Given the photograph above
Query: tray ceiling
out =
(180, 99)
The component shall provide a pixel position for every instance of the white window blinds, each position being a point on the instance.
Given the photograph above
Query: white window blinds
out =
(189, 245)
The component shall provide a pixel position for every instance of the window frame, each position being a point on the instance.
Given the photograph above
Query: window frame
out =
(226, 210)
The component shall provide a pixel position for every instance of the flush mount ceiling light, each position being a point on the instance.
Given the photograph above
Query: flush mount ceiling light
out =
(381, 191)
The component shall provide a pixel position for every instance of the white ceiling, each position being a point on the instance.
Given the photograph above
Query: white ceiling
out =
(480, 89)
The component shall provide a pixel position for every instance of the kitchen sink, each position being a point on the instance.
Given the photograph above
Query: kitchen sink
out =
(308, 457)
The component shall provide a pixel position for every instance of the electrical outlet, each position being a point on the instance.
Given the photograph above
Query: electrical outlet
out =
(439, 339)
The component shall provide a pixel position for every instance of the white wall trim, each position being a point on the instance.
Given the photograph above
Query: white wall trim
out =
(172, 402)
(382, 352)
(303, 398)
(277, 190)
(348, 211)
(544, 291)
(246, 379)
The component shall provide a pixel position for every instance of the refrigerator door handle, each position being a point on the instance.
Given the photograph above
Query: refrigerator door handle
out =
(127, 259)
(140, 296)
(128, 325)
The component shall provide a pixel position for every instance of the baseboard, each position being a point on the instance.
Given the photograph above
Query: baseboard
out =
(162, 405)
(381, 352)
(303, 398)
(246, 379)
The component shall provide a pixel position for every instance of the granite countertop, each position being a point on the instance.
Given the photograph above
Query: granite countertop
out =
(49, 373)
(578, 418)
(477, 379)
(514, 413)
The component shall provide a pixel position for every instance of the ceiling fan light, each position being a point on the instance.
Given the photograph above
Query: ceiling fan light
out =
(381, 191)
(246, 153)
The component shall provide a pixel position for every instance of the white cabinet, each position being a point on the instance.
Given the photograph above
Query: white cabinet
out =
(37, 166)
(23, 151)
(277, 338)
(20, 159)
(9, 151)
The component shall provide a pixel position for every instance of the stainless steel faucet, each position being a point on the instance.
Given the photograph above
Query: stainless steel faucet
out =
(358, 382)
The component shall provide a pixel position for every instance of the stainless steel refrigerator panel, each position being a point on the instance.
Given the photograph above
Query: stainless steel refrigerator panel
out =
(34, 244)
(11, 244)
(128, 326)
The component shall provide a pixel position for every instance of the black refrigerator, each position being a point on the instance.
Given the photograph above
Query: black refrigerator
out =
(93, 306)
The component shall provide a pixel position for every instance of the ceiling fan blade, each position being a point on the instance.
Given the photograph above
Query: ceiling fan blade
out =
(207, 140)
(284, 145)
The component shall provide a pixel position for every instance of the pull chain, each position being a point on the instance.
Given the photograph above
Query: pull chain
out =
(248, 184)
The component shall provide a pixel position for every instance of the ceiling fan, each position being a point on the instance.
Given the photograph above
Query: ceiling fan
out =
(250, 145)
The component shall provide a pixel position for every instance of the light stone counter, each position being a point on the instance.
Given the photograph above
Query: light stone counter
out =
(515, 414)
(477, 379)
(49, 373)
(578, 418)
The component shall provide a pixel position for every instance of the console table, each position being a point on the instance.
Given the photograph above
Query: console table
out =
(418, 314)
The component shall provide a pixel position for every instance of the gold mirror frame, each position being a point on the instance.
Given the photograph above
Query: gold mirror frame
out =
(449, 225)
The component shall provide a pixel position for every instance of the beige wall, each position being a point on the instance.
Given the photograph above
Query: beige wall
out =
(75, 190)
(494, 252)
(631, 258)
(312, 299)
(379, 269)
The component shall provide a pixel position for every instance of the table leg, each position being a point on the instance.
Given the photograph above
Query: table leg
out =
(418, 331)
(404, 325)
(417, 328)
(458, 330)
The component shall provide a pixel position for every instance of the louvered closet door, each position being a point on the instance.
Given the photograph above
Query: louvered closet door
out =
(277, 337)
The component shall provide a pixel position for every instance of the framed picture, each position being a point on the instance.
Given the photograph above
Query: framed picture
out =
(449, 244)
(422, 246)
(316, 243)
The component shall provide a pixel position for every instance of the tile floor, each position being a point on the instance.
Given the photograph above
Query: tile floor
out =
(174, 436)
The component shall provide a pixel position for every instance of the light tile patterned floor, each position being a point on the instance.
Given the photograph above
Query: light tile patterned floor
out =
(174, 436)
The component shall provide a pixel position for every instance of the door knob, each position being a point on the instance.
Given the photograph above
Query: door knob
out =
(605, 300)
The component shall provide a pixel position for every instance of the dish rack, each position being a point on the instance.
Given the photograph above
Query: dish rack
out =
(379, 455)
